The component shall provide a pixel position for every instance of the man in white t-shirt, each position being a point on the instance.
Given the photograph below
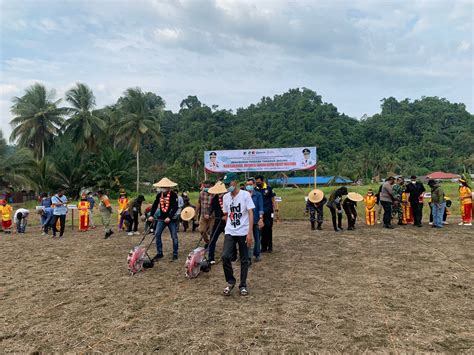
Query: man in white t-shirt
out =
(238, 211)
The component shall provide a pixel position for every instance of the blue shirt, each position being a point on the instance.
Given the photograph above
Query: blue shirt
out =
(268, 195)
(91, 201)
(46, 202)
(59, 210)
(257, 199)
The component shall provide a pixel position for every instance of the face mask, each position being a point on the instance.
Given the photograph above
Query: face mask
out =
(413, 182)
(461, 184)
(206, 189)
(249, 187)
(231, 189)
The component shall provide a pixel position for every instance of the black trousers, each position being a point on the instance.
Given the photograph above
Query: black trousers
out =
(135, 221)
(267, 232)
(333, 217)
(62, 224)
(228, 253)
(417, 208)
(387, 212)
(217, 229)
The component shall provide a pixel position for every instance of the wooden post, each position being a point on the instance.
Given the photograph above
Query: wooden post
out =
(72, 215)
(315, 176)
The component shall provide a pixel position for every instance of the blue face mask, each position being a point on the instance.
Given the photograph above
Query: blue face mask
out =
(206, 189)
(249, 187)
(231, 188)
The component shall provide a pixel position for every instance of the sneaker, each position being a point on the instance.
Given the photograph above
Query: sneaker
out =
(158, 256)
(445, 223)
(136, 233)
(212, 262)
(468, 224)
(107, 235)
(244, 291)
(460, 223)
(175, 257)
(129, 234)
(43, 233)
(419, 225)
(431, 223)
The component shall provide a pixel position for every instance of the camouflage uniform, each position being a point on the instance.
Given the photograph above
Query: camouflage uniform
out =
(316, 208)
(397, 193)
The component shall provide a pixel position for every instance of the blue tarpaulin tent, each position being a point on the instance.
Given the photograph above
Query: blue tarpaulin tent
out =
(309, 180)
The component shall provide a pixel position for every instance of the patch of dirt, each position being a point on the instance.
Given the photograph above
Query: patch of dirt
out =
(372, 289)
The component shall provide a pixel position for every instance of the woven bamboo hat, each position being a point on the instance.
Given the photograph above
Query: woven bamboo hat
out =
(315, 196)
(354, 196)
(165, 182)
(218, 188)
(188, 213)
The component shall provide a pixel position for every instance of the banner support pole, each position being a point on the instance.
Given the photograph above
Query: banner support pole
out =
(315, 175)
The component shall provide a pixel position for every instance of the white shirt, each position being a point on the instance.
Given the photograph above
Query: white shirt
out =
(237, 209)
(23, 211)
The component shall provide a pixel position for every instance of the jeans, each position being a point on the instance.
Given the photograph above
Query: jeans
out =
(387, 213)
(438, 212)
(256, 242)
(62, 224)
(160, 227)
(267, 233)
(217, 229)
(230, 249)
(91, 218)
(21, 225)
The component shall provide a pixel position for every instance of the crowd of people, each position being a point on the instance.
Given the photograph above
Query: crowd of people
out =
(243, 213)
(398, 199)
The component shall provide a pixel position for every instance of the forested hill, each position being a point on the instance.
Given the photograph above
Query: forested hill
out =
(82, 146)
(405, 137)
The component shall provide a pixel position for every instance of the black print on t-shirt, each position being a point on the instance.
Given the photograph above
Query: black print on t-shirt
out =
(235, 215)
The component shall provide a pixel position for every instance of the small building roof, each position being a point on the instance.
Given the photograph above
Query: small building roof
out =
(440, 175)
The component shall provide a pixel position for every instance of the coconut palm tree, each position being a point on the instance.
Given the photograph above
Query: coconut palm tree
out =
(139, 113)
(37, 119)
(15, 164)
(84, 126)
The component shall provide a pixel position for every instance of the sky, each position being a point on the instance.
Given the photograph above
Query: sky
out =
(231, 53)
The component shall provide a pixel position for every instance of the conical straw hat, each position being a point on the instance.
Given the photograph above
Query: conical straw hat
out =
(315, 196)
(165, 182)
(188, 213)
(354, 196)
(218, 188)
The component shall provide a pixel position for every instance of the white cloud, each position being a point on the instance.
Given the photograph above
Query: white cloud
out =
(7, 89)
(464, 46)
(47, 25)
(167, 34)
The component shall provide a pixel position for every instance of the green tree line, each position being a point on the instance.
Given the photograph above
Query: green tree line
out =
(70, 143)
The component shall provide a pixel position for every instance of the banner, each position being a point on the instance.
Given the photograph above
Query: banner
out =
(271, 159)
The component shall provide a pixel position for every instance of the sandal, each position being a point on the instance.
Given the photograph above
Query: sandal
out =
(244, 291)
(228, 289)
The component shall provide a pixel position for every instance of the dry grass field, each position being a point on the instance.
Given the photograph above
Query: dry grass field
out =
(372, 289)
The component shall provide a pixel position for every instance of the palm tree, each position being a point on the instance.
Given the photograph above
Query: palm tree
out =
(139, 114)
(84, 126)
(15, 164)
(37, 119)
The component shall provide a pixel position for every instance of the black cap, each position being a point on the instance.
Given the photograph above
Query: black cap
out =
(213, 154)
(306, 150)
(413, 177)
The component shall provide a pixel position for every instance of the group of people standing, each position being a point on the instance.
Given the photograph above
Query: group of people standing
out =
(399, 199)
(244, 216)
